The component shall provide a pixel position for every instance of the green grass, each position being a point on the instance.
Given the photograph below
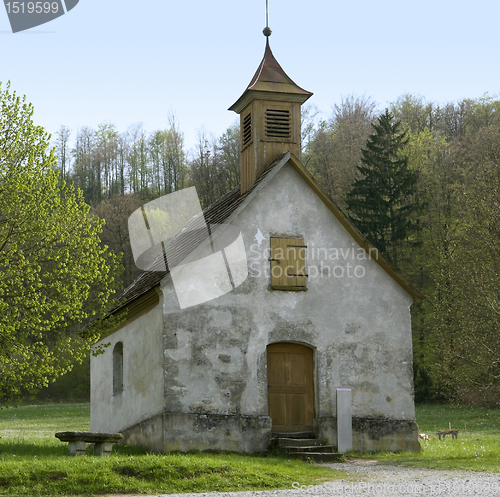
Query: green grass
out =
(34, 462)
(477, 447)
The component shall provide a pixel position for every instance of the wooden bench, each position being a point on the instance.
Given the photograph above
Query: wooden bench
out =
(77, 440)
(453, 433)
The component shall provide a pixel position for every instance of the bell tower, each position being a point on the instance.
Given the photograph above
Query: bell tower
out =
(269, 112)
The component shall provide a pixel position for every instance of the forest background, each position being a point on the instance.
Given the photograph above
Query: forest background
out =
(453, 258)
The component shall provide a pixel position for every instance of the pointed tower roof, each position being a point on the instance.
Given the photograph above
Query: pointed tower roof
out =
(270, 82)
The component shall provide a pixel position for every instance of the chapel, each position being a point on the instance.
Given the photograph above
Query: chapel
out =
(309, 308)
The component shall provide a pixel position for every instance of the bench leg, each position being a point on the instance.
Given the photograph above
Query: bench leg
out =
(76, 448)
(103, 449)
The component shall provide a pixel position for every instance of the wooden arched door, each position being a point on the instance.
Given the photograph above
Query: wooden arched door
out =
(290, 387)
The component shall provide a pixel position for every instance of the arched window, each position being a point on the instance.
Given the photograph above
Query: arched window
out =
(118, 368)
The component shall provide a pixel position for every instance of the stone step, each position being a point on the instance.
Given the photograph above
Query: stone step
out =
(317, 456)
(328, 449)
(298, 442)
(298, 434)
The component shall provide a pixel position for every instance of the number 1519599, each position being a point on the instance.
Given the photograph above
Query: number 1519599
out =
(32, 7)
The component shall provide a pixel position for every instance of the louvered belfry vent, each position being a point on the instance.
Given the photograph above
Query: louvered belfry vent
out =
(247, 129)
(278, 124)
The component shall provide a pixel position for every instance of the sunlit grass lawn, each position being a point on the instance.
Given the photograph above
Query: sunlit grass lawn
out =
(477, 446)
(34, 462)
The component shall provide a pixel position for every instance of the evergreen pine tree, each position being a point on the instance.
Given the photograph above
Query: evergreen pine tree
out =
(382, 200)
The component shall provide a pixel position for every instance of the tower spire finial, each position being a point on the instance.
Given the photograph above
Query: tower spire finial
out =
(267, 30)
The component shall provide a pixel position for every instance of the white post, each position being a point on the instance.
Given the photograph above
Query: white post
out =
(344, 419)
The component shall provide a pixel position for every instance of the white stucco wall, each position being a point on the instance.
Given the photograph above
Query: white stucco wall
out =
(142, 395)
(359, 327)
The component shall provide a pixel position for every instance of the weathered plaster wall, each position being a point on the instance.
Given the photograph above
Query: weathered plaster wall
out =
(142, 395)
(354, 316)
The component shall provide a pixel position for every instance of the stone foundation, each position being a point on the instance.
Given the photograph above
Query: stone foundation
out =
(373, 434)
(148, 433)
(183, 432)
(394, 435)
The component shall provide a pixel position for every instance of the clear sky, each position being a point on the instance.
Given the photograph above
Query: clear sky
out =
(125, 61)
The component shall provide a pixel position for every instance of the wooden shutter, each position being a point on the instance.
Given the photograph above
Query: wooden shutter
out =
(288, 268)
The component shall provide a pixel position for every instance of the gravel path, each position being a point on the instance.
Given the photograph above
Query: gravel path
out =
(374, 479)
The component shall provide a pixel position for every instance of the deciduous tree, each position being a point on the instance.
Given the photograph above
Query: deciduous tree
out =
(468, 314)
(333, 153)
(54, 275)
